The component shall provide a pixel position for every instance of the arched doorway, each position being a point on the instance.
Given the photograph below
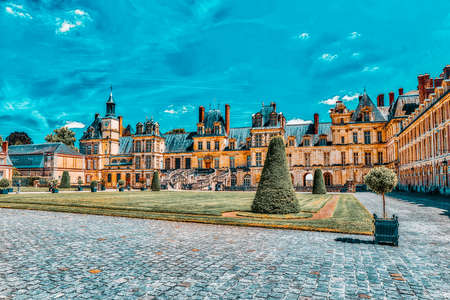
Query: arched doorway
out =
(327, 178)
(307, 179)
(233, 180)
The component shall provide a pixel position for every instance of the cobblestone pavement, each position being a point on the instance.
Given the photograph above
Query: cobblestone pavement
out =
(59, 255)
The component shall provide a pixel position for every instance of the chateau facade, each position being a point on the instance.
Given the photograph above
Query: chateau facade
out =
(409, 133)
(5, 163)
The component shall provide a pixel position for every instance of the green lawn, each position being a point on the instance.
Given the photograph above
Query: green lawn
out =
(205, 207)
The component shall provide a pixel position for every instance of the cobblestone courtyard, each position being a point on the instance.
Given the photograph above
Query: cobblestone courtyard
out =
(58, 255)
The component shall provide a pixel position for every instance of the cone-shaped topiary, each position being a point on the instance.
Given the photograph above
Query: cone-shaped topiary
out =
(275, 194)
(65, 180)
(156, 186)
(318, 183)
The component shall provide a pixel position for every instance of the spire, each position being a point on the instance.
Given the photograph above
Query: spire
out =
(110, 99)
(110, 105)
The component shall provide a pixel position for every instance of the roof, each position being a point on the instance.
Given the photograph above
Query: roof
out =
(94, 131)
(36, 149)
(125, 144)
(179, 142)
(300, 130)
(405, 105)
(212, 116)
(240, 135)
(365, 101)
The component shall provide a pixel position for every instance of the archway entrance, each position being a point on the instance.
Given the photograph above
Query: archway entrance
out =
(327, 178)
(307, 179)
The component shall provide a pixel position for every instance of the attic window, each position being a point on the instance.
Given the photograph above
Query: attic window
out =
(323, 142)
(366, 117)
(291, 142)
(306, 142)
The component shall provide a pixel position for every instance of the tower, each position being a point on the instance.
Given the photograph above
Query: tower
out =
(110, 106)
(111, 127)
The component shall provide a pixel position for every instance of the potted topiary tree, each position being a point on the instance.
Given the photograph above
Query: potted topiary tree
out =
(381, 181)
(319, 183)
(94, 186)
(275, 194)
(4, 184)
(80, 182)
(54, 186)
(121, 185)
(156, 186)
(65, 180)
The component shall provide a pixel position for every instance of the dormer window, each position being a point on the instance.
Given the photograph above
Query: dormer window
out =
(232, 145)
(323, 141)
(366, 117)
(306, 142)
(291, 143)
(342, 121)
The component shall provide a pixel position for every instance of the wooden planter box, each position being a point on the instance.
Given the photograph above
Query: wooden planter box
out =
(93, 189)
(121, 189)
(386, 230)
(10, 190)
(54, 191)
(4, 191)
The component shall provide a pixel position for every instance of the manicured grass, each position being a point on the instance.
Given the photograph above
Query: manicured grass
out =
(204, 207)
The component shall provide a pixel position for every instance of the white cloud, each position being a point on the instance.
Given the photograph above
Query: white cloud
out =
(356, 54)
(74, 124)
(371, 69)
(303, 36)
(17, 11)
(182, 110)
(354, 35)
(328, 57)
(66, 26)
(80, 12)
(170, 111)
(72, 19)
(345, 98)
(298, 122)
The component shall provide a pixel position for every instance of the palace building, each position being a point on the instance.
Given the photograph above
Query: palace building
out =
(408, 133)
(5, 162)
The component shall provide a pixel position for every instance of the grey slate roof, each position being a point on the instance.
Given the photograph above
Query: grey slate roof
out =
(179, 142)
(404, 105)
(125, 144)
(300, 130)
(365, 101)
(212, 116)
(240, 135)
(34, 149)
(96, 126)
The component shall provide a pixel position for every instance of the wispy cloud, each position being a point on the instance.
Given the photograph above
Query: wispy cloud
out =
(303, 36)
(356, 54)
(181, 110)
(17, 11)
(371, 69)
(298, 122)
(345, 98)
(74, 124)
(354, 35)
(328, 57)
(73, 19)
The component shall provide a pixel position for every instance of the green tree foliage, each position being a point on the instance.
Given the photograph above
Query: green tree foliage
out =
(121, 183)
(4, 183)
(381, 180)
(62, 135)
(65, 180)
(319, 183)
(156, 186)
(94, 184)
(19, 138)
(275, 194)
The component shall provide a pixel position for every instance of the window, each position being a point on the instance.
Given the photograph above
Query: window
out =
(208, 145)
(94, 164)
(247, 180)
(137, 162)
(232, 163)
(342, 140)
(355, 158)
(233, 180)
(342, 121)
(148, 162)
(109, 177)
(291, 143)
(379, 136)
(380, 157)
(200, 163)
(217, 145)
(177, 163)
(148, 146)
(368, 158)
(96, 148)
(167, 163)
(89, 149)
(216, 163)
(366, 117)
(137, 146)
(323, 142)
(306, 142)
(118, 176)
(137, 177)
(216, 129)
(326, 158)
(258, 140)
(187, 163)
(232, 145)
(343, 158)
(200, 145)
(366, 137)
(355, 137)
(258, 159)
(88, 164)
(307, 159)
(249, 160)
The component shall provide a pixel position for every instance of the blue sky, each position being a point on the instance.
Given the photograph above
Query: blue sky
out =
(165, 58)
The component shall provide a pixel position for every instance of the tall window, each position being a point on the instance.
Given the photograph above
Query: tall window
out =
(208, 145)
(232, 162)
(342, 140)
(109, 177)
(343, 158)
(177, 163)
(148, 146)
(323, 142)
(216, 163)
(233, 180)
(200, 145)
(355, 137)
(307, 159)
(200, 163)
(167, 163)
(232, 145)
(326, 158)
(380, 157)
(366, 137)
(366, 117)
(368, 158)
(137, 162)
(89, 149)
(216, 145)
(137, 177)
(249, 160)
(138, 146)
(247, 180)
(96, 148)
(306, 142)
(291, 142)
(118, 176)
(187, 163)
(379, 137)
(148, 162)
(258, 140)
(355, 158)
(258, 159)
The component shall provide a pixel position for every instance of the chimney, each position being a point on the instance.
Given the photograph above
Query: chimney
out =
(437, 82)
(316, 123)
(201, 114)
(227, 118)
(120, 125)
(97, 115)
(380, 100)
(360, 97)
(421, 87)
(447, 72)
(391, 98)
(400, 91)
(5, 147)
(274, 106)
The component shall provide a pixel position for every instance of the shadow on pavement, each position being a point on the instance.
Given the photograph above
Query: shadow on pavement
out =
(421, 199)
(353, 241)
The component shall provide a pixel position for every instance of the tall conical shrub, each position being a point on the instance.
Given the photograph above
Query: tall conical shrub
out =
(156, 186)
(319, 183)
(65, 180)
(275, 194)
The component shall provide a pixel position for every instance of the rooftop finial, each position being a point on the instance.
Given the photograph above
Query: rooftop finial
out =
(111, 89)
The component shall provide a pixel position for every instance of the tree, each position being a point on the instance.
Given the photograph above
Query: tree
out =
(65, 180)
(4, 183)
(19, 138)
(156, 186)
(275, 194)
(381, 180)
(318, 183)
(62, 135)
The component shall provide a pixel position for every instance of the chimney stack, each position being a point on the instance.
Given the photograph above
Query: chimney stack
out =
(446, 72)
(360, 97)
(380, 100)
(391, 98)
(274, 106)
(400, 91)
(97, 115)
(201, 114)
(437, 82)
(5, 147)
(316, 123)
(120, 125)
(421, 87)
(227, 118)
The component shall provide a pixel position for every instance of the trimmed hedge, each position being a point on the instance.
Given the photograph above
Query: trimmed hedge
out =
(156, 186)
(65, 180)
(319, 183)
(275, 193)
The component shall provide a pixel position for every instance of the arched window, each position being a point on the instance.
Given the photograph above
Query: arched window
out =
(247, 180)
(233, 180)
(327, 179)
